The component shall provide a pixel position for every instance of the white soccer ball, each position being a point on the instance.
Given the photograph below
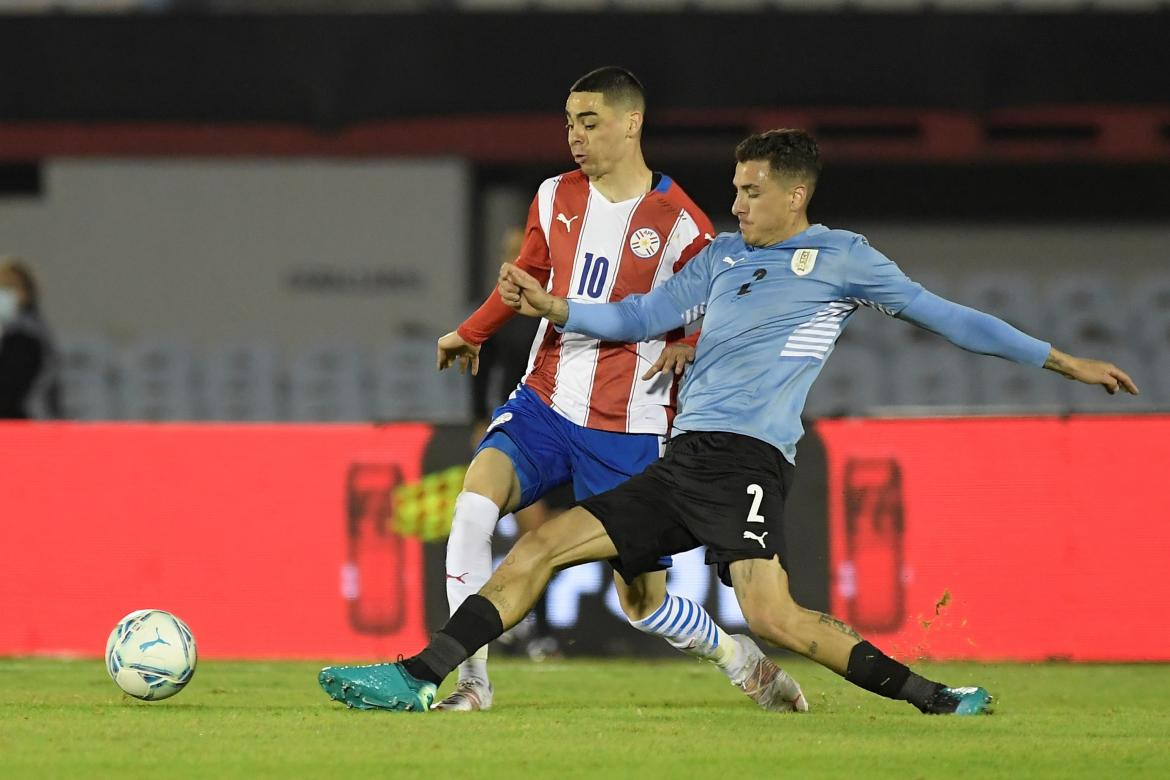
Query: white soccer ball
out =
(151, 654)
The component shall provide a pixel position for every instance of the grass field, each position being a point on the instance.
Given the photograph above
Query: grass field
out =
(582, 719)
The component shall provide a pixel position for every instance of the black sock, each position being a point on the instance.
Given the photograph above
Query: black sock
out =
(873, 670)
(476, 623)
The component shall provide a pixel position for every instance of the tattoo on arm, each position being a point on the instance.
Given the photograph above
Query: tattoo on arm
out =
(812, 649)
(841, 626)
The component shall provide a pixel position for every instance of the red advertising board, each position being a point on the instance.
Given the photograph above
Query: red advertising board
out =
(1022, 539)
(270, 541)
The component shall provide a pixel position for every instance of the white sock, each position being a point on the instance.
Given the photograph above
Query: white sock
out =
(687, 626)
(469, 562)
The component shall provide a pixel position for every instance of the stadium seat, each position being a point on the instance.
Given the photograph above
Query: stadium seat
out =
(570, 5)
(871, 329)
(1088, 331)
(156, 380)
(930, 375)
(1081, 292)
(491, 5)
(1152, 331)
(86, 365)
(326, 384)
(648, 5)
(962, 6)
(1013, 297)
(240, 383)
(732, 5)
(1003, 386)
(1149, 294)
(852, 383)
(811, 5)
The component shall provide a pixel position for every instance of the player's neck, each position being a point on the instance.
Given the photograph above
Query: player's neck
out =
(627, 180)
(796, 227)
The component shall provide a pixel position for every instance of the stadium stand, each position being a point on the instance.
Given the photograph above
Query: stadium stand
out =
(878, 364)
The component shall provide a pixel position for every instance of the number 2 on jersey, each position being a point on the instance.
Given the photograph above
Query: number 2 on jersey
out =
(757, 494)
(593, 276)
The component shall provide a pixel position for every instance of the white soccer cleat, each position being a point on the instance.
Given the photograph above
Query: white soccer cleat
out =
(469, 695)
(767, 684)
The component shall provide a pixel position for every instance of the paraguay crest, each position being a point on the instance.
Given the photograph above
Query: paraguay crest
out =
(644, 242)
(803, 261)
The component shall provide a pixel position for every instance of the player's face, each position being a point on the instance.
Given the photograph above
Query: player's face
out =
(598, 133)
(763, 203)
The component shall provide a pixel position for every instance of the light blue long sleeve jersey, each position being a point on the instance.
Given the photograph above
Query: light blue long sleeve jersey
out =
(771, 318)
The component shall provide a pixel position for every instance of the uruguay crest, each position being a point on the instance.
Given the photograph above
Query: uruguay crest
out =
(803, 261)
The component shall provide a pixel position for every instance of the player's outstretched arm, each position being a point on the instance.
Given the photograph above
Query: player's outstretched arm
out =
(452, 347)
(1091, 372)
(636, 318)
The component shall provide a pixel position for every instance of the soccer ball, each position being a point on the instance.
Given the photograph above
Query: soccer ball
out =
(151, 654)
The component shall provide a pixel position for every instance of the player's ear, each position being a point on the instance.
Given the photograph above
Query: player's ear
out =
(799, 197)
(633, 124)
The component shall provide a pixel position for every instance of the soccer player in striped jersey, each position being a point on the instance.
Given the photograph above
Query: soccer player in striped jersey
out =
(776, 295)
(583, 413)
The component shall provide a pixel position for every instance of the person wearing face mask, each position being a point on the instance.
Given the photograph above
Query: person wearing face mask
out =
(28, 361)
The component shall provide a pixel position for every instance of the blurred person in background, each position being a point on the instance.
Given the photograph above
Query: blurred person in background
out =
(28, 361)
(503, 362)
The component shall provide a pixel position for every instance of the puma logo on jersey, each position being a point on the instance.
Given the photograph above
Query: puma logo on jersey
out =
(730, 262)
(568, 222)
(758, 537)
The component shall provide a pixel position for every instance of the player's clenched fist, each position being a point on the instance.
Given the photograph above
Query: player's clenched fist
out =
(452, 347)
(522, 292)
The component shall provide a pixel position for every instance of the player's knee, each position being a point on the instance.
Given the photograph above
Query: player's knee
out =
(773, 623)
(640, 598)
(534, 550)
(492, 475)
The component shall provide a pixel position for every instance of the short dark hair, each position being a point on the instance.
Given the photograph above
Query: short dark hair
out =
(788, 152)
(616, 85)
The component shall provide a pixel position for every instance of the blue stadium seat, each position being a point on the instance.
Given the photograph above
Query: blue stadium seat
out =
(326, 384)
(86, 370)
(240, 383)
(157, 377)
(852, 382)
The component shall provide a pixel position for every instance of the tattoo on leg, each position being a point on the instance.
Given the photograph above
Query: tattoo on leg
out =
(841, 626)
(812, 648)
(747, 571)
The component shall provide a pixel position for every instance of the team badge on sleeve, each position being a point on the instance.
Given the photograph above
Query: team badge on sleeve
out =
(645, 242)
(803, 261)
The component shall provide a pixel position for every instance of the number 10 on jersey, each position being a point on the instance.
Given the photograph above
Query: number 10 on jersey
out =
(593, 276)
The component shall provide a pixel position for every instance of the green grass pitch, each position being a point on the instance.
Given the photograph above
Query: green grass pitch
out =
(580, 718)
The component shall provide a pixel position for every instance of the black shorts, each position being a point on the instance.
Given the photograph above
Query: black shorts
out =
(722, 490)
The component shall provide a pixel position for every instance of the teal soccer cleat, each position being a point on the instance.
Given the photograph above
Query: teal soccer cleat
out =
(377, 687)
(960, 701)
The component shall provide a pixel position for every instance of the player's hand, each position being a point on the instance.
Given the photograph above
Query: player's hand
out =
(453, 348)
(673, 360)
(522, 292)
(1091, 372)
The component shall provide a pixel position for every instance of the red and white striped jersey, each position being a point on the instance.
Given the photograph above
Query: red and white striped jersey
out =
(588, 249)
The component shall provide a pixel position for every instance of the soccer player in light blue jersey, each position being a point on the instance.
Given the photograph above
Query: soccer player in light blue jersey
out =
(775, 297)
